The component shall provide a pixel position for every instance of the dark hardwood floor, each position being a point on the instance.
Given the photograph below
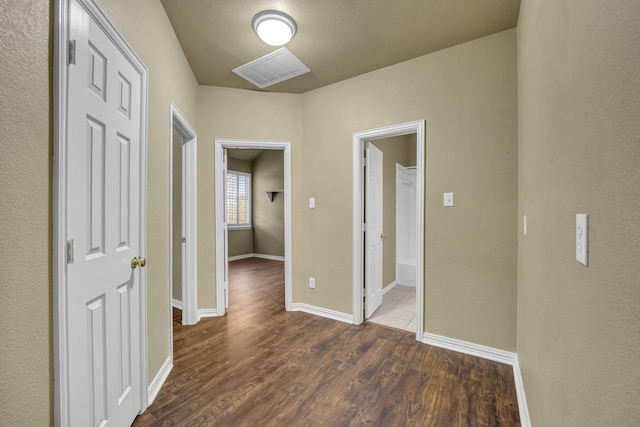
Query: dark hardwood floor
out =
(262, 366)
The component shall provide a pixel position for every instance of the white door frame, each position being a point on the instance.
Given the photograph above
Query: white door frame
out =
(178, 123)
(221, 252)
(359, 140)
(60, 338)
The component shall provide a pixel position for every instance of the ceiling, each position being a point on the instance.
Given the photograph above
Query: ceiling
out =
(336, 39)
(246, 154)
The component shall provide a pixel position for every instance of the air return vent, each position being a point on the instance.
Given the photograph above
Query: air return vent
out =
(273, 68)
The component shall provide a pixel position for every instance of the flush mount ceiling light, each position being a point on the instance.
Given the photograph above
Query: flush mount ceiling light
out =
(274, 27)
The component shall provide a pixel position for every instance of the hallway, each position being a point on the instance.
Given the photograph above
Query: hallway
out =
(262, 366)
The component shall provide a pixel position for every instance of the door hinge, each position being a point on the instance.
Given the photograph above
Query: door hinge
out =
(72, 51)
(364, 162)
(364, 226)
(70, 251)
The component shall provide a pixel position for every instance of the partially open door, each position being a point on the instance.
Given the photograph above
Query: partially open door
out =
(373, 231)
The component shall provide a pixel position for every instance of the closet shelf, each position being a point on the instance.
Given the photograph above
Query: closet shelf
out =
(271, 193)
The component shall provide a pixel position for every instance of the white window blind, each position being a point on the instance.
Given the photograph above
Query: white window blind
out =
(238, 199)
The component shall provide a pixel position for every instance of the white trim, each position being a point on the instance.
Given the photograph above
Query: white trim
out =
(159, 380)
(470, 348)
(389, 287)
(359, 139)
(252, 255)
(178, 123)
(323, 312)
(62, 26)
(176, 303)
(525, 420)
(207, 312)
(221, 251)
(271, 257)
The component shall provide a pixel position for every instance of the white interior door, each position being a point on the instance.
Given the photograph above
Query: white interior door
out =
(373, 232)
(226, 233)
(103, 229)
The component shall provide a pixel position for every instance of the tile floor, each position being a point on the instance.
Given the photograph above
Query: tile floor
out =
(398, 309)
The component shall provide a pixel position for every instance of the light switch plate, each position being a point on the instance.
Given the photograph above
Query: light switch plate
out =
(448, 199)
(582, 238)
(312, 202)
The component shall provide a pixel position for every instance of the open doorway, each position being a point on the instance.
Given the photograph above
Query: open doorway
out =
(396, 306)
(368, 228)
(183, 208)
(265, 153)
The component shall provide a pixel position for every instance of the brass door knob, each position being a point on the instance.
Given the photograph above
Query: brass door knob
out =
(383, 236)
(142, 262)
(134, 262)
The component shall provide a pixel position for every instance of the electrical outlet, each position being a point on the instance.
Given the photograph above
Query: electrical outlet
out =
(582, 238)
(312, 282)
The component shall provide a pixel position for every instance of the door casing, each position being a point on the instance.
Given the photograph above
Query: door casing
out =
(359, 141)
(60, 90)
(221, 251)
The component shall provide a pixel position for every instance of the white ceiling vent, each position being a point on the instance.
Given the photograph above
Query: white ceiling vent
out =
(273, 68)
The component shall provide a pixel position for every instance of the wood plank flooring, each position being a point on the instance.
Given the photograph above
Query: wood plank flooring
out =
(262, 366)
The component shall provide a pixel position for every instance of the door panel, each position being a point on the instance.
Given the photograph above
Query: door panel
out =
(373, 233)
(103, 202)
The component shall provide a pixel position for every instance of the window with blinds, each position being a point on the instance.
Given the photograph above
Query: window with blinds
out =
(238, 199)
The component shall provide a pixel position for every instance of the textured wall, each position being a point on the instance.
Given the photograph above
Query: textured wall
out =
(467, 94)
(399, 149)
(268, 217)
(579, 152)
(26, 339)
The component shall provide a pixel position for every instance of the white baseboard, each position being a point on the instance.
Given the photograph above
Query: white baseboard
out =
(158, 381)
(323, 312)
(176, 303)
(389, 287)
(272, 257)
(263, 256)
(473, 349)
(207, 312)
(237, 257)
(525, 420)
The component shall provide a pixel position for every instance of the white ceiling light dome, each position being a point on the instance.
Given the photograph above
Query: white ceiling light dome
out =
(274, 27)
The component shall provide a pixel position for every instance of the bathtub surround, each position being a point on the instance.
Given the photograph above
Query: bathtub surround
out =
(405, 225)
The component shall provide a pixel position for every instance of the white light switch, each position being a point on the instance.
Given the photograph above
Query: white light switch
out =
(312, 282)
(312, 202)
(582, 238)
(448, 199)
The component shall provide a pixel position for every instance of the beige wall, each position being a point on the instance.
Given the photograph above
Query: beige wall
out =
(237, 114)
(268, 217)
(240, 241)
(26, 337)
(177, 217)
(579, 152)
(399, 149)
(467, 94)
